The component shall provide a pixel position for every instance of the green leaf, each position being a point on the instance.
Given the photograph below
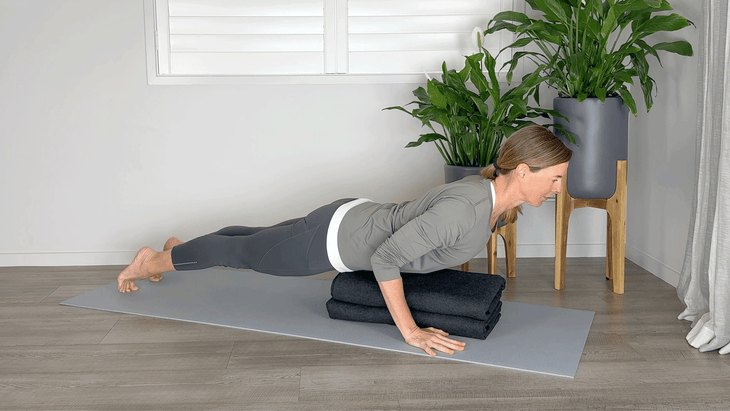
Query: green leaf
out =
(582, 96)
(625, 9)
(609, 24)
(422, 95)
(544, 32)
(655, 24)
(683, 48)
(464, 73)
(625, 76)
(628, 99)
(512, 16)
(627, 49)
(521, 42)
(489, 64)
(398, 108)
(653, 3)
(437, 98)
(483, 108)
(552, 8)
(647, 85)
(501, 25)
(477, 77)
(565, 132)
(551, 113)
(601, 94)
(426, 138)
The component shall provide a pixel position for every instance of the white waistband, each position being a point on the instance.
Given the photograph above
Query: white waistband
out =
(333, 251)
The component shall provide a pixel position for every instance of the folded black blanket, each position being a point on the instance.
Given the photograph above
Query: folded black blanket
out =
(452, 324)
(449, 292)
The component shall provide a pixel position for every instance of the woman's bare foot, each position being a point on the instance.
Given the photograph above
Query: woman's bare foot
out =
(134, 271)
(171, 242)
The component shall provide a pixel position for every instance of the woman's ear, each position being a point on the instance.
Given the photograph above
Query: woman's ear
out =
(522, 169)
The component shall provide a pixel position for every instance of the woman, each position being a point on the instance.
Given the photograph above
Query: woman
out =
(446, 227)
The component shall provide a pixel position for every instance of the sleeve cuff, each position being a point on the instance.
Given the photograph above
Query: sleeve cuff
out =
(386, 273)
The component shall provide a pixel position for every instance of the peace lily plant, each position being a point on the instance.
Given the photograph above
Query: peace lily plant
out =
(592, 48)
(469, 121)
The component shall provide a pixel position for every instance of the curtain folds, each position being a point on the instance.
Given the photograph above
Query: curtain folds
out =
(704, 285)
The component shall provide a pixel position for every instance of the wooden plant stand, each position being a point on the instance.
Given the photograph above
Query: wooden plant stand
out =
(615, 232)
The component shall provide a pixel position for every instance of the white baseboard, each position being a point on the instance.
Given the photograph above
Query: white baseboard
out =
(43, 259)
(654, 266)
(548, 250)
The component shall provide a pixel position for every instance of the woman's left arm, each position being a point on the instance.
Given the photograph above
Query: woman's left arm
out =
(427, 339)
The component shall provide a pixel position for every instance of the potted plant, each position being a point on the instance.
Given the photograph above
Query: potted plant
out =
(590, 50)
(468, 125)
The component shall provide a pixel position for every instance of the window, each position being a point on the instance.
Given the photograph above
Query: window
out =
(313, 41)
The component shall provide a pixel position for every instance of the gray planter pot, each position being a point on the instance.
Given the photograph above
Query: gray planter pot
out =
(456, 173)
(602, 133)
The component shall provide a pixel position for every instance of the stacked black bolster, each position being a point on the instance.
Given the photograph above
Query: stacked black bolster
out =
(460, 303)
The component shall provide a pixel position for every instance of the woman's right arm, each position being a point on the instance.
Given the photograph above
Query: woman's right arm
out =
(439, 226)
(427, 339)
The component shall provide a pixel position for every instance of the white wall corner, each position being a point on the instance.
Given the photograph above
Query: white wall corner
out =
(666, 273)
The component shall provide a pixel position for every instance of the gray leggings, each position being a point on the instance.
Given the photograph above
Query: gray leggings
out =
(296, 247)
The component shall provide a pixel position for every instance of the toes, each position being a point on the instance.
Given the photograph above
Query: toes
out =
(127, 286)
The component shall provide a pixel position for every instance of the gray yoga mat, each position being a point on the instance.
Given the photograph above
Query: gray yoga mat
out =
(533, 338)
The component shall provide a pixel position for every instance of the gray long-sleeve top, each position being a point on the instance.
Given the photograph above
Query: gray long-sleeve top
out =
(446, 227)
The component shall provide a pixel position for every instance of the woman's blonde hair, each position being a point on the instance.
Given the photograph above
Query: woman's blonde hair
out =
(533, 145)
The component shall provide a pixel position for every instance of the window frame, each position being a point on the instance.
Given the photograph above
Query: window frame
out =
(333, 57)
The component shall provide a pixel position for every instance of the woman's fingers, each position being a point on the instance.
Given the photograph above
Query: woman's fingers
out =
(437, 331)
(429, 340)
(443, 335)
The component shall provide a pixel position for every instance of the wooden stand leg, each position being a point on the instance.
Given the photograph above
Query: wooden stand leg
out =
(492, 253)
(465, 267)
(510, 247)
(616, 208)
(563, 207)
(609, 248)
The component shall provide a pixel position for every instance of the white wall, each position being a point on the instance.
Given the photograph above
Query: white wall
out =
(661, 170)
(94, 163)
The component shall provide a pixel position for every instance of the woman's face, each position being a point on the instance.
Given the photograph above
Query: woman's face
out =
(539, 186)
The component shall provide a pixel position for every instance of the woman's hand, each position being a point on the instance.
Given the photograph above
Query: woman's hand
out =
(431, 338)
(424, 338)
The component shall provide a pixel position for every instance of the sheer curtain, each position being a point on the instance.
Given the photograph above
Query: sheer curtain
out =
(704, 285)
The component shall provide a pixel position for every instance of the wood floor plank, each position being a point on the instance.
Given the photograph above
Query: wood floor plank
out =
(676, 397)
(45, 332)
(25, 294)
(605, 347)
(667, 347)
(46, 359)
(307, 352)
(463, 381)
(181, 389)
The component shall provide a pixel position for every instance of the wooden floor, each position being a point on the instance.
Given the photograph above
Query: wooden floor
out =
(54, 357)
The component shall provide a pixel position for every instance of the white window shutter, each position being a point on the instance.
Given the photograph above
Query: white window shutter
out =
(234, 37)
(412, 36)
(210, 41)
